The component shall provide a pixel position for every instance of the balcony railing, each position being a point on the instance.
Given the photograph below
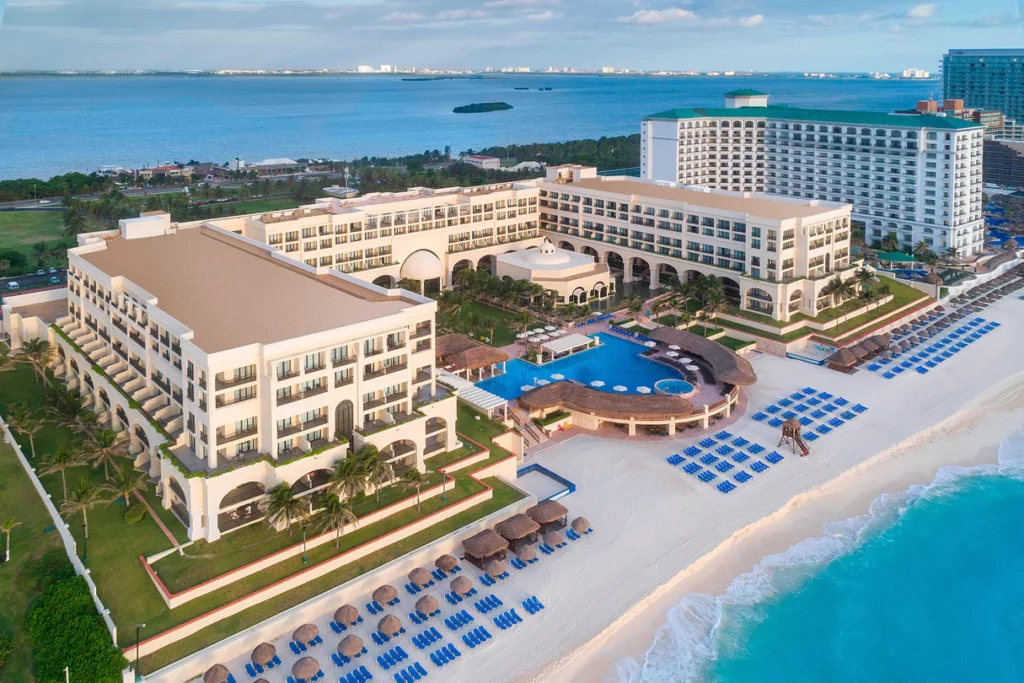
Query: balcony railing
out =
(223, 438)
(224, 400)
(222, 384)
(301, 426)
(298, 396)
(340, 362)
(315, 368)
(287, 375)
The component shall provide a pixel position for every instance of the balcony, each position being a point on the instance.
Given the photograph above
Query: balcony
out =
(422, 345)
(223, 438)
(222, 384)
(391, 369)
(315, 368)
(287, 375)
(373, 374)
(341, 362)
(344, 382)
(298, 396)
(384, 400)
(422, 377)
(371, 427)
(223, 401)
(421, 331)
(301, 426)
(396, 346)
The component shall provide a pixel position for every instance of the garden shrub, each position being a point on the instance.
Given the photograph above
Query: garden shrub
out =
(135, 514)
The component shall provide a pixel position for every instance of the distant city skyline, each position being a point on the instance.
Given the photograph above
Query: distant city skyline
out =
(700, 35)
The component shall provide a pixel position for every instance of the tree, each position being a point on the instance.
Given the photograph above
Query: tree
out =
(952, 253)
(61, 460)
(348, 477)
(635, 304)
(839, 290)
(490, 323)
(7, 527)
(103, 446)
(282, 503)
(411, 285)
(336, 514)
(84, 496)
(703, 319)
(412, 478)
(921, 251)
(73, 222)
(890, 242)
(714, 304)
(866, 278)
(25, 422)
(522, 320)
(68, 410)
(126, 483)
(38, 353)
(377, 471)
(465, 278)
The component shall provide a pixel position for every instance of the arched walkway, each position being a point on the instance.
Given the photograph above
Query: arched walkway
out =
(140, 434)
(121, 417)
(640, 269)
(615, 263)
(599, 291)
(794, 301)
(179, 502)
(667, 275)
(240, 506)
(344, 419)
(567, 246)
(311, 481)
(731, 289)
(488, 263)
(579, 296)
(437, 436)
(590, 251)
(760, 301)
(385, 281)
(401, 454)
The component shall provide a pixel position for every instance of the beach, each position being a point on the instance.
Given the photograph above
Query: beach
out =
(661, 535)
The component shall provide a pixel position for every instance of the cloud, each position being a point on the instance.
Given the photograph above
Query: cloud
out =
(925, 11)
(456, 14)
(546, 15)
(403, 16)
(656, 16)
(752, 21)
(517, 4)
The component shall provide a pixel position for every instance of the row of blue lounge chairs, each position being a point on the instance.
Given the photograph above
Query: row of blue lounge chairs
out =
(507, 619)
(298, 648)
(448, 653)
(413, 589)
(392, 657)
(485, 605)
(458, 620)
(532, 604)
(381, 638)
(926, 358)
(477, 636)
(411, 673)
(291, 679)
(255, 670)
(489, 581)
(374, 607)
(341, 660)
(419, 617)
(454, 598)
(341, 628)
(427, 638)
(360, 675)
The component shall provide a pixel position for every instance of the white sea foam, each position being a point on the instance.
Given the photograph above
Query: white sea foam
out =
(688, 643)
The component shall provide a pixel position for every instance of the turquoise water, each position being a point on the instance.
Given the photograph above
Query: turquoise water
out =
(615, 362)
(674, 386)
(927, 587)
(53, 125)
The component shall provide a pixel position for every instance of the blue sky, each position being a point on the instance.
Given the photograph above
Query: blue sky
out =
(766, 35)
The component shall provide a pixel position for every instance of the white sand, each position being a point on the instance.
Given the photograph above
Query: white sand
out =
(661, 534)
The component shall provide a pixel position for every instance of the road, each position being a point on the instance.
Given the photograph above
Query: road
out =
(31, 281)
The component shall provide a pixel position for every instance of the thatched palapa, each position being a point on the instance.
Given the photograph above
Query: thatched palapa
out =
(385, 594)
(554, 538)
(455, 349)
(461, 585)
(494, 567)
(427, 604)
(306, 668)
(446, 563)
(263, 653)
(347, 615)
(580, 524)
(547, 511)
(485, 544)
(305, 633)
(420, 577)
(581, 398)
(842, 360)
(218, 673)
(526, 553)
(517, 527)
(727, 366)
(389, 625)
(350, 645)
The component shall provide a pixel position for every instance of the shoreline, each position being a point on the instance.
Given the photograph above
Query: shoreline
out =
(968, 439)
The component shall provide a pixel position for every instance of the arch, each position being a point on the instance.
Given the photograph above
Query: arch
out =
(435, 424)
(579, 296)
(667, 274)
(568, 246)
(488, 263)
(422, 265)
(344, 419)
(60, 352)
(178, 491)
(121, 416)
(103, 397)
(401, 453)
(385, 281)
(615, 262)
(691, 276)
(640, 269)
(88, 382)
(599, 291)
(796, 296)
(760, 301)
(140, 434)
(731, 289)
(242, 492)
(462, 264)
(74, 366)
(311, 481)
(590, 251)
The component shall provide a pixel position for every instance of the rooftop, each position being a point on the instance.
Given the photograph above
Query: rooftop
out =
(866, 118)
(772, 208)
(231, 293)
(746, 92)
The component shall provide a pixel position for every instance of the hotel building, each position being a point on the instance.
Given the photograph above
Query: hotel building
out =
(916, 177)
(233, 368)
(774, 255)
(986, 79)
(421, 234)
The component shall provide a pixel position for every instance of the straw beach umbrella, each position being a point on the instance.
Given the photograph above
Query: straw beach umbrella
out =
(526, 553)
(306, 668)
(554, 538)
(350, 646)
(385, 594)
(419, 577)
(580, 524)
(263, 653)
(446, 563)
(389, 625)
(495, 567)
(346, 614)
(305, 633)
(461, 585)
(218, 673)
(427, 605)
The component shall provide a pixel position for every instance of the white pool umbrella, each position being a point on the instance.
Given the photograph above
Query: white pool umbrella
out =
(672, 354)
(650, 344)
(619, 387)
(542, 382)
(543, 337)
(557, 376)
(597, 383)
(644, 390)
(537, 330)
(674, 347)
(533, 340)
(526, 387)
(686, 360)
(692, 367)
(521, 335)
(550, 328)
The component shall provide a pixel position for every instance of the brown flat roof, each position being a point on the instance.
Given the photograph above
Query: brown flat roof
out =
(232, 294)
(48, 311)
(754, 206)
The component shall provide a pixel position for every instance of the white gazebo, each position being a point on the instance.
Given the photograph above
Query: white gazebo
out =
(567, 345)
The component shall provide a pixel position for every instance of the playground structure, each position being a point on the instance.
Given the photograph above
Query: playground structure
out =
(791, 435)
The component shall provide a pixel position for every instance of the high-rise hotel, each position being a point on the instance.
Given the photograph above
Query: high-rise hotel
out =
(916, 177)
(986, 79)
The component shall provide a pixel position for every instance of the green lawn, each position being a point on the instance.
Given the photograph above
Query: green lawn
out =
(18, 499)
(261, 205)
(733, 343)
(476, 311)
(19, 230)
(704, 330)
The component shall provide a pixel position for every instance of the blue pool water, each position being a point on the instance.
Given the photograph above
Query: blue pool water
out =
(674, 386)
(615, 362)
(926, 587)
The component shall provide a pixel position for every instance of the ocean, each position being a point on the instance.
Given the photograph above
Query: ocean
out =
(925, 587)
(51, 125)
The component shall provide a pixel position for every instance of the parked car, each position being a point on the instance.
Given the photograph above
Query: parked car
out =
(13, 285)
(53, 271)
(54, 280)
(40, 272)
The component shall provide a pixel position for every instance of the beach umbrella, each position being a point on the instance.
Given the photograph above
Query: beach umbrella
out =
(385, 594)
(461, 585)
(427, 605)
(526, 553)
(557, 376)
(350, 646)
(419, 577)
(619, 387)
(305, 633)
(537, 330)
(543, 337)
(694, 368)
(263, 653)
(650, 344)
(554, 537)
(521, 335)
(389, 625)
(526, 387)
(597, 383)
(533, 340)
(542, 382)
(306, 668)
(673, 347)
(672, 354)
(550, 328)
(218, 673)
(495, 568)
(446, 563)
(346, 614)
(643, 390)
(580, 524)
(686, 360)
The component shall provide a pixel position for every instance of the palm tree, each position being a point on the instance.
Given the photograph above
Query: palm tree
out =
(62, 459)
(126, 482)
(24, 422)
(685, 318)
(490, 323)
(378, 472)
(336, 514)
(412, 478)
(39, 353)
(635, 304)
(73, 222)
(657, 307)
(68, 410)
(348, 477)
(839, 290)
(7, 527)
(465, 278)
(921, 251)
(890, 242)
(866, 278)
(952, 252)
(103, 446)
(703, 318)
(714, 304)
(522, 320)
(282, 503)
(83, 496)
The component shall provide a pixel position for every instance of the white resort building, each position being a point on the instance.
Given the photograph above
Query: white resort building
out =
(234, 368)
(916, 177)
(774, 255)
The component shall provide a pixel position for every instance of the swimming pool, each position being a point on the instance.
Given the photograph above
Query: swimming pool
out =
(616, 362)
(674, 387)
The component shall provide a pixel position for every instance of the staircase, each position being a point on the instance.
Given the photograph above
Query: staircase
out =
(532, 434)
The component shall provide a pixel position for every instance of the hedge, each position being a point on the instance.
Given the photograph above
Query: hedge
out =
(135, 513)
(66, 631)
(551, 419)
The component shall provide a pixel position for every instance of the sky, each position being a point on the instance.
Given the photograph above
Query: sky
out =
(762, 35)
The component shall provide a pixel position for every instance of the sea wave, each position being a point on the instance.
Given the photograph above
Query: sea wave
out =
(699, 625)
